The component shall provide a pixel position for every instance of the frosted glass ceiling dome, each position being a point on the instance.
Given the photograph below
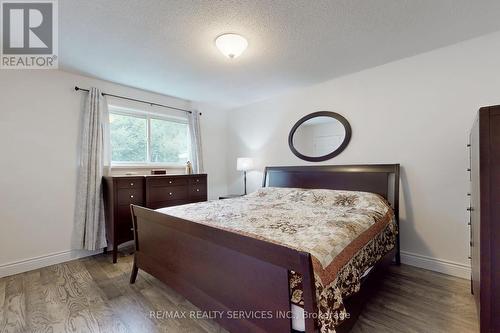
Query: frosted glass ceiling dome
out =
(231, 45)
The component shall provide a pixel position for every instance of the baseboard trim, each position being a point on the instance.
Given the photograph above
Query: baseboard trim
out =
(26, 265)
(437, 265)
(412, 259)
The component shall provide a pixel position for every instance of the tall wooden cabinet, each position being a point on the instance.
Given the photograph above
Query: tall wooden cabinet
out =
(147, 191)
(485, 216)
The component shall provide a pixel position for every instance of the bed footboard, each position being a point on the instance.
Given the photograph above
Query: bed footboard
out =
(242, 278)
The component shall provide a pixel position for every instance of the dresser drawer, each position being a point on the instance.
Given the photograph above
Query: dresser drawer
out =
(123, 224)
(124, 234)
(198, 180)
(130, 183)
(198, 190)
(124, 216)
(129, 196)
(167, 181)
(167, 193)
(169, 203)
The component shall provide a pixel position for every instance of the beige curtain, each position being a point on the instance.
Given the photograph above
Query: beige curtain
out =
(95, 156)
(196, 147)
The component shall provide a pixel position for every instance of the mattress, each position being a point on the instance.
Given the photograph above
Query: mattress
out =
(345, 232)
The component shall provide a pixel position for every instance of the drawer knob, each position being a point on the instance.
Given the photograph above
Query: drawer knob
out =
(197, 190)
(170, 193)
(197, 180)
(131, 184)
(131, 196)
(170, 182)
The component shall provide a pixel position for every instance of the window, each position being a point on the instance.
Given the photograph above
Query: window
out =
(146, 139)
(129, 138)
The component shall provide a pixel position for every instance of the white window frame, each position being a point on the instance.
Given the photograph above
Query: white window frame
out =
(118, 110)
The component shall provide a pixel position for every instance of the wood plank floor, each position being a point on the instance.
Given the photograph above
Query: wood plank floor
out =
(93, 295)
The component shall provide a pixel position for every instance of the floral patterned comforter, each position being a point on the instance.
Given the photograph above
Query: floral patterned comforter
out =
(345, 232)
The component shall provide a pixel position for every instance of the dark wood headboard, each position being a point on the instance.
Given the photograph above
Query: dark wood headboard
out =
(368, 178)
(382, 179)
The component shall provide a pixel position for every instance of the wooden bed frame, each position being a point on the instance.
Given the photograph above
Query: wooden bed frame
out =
(218, 270)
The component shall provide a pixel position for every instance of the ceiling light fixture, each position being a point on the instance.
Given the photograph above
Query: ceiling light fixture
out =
(231, 45)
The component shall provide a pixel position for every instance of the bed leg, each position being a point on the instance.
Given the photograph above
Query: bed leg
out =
(133, 275)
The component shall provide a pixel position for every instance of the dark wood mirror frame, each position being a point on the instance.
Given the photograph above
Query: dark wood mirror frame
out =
(343, 145)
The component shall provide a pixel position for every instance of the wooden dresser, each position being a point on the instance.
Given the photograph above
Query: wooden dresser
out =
(485, 216)
(153, 192)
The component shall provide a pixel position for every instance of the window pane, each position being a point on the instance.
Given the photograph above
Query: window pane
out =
(169, 142)
(128, 138)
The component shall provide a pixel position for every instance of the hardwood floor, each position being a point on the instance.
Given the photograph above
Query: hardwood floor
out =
(93, 295)
(417, 300)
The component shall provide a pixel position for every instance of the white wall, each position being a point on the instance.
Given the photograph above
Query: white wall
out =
(416, 112)
(39, 129)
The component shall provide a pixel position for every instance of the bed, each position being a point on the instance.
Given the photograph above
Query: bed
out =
(257, 260)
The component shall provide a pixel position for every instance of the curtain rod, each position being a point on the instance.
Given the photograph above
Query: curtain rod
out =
(138, 100)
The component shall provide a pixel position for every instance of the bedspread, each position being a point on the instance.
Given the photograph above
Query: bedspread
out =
(345, 232)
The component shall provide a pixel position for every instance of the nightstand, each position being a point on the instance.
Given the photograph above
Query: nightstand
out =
(231, 196)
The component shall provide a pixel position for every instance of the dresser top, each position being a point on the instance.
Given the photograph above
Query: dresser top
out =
(147, 176)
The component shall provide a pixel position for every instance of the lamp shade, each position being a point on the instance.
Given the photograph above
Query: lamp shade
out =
(244, 164)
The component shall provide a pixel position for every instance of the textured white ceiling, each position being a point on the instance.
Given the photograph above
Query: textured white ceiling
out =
(167, 46)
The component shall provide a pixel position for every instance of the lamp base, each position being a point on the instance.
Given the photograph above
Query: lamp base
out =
(245, 182)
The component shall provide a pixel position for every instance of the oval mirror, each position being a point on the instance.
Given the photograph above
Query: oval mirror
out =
(319, 136)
